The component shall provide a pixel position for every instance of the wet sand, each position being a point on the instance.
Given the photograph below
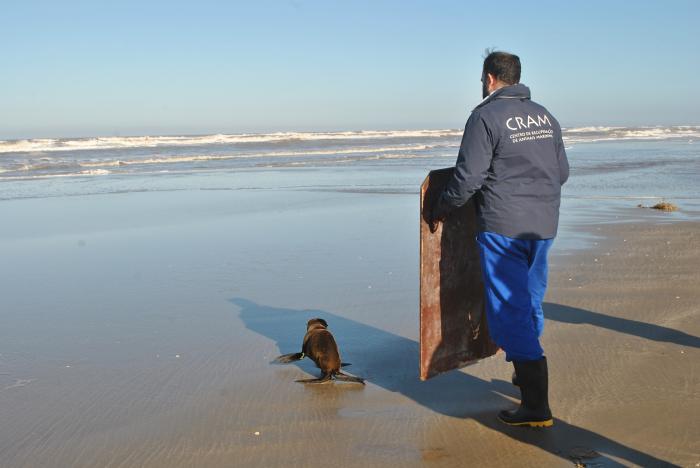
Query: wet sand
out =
(138, 329)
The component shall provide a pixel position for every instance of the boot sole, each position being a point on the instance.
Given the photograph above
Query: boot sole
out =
(547, 423)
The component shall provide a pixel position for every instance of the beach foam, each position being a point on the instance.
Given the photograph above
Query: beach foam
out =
(590, 133)
(22, 159)
(47, 145)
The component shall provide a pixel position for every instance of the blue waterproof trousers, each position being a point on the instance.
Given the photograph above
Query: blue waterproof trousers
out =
(515, 279)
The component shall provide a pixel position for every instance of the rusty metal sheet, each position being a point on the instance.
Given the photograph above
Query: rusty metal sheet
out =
(453, 328)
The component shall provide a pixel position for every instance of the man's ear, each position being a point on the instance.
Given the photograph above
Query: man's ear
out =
(490, 80)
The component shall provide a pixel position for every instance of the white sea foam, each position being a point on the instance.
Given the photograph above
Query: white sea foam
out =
(589, 129)
(593, 134)
(26, 158)
(101, 143)
(345, 160)
(95, 172)
(195, 158)
(93, 166)
(577, 134)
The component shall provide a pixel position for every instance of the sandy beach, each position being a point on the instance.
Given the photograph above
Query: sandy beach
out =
(185, 185)
(138, 330)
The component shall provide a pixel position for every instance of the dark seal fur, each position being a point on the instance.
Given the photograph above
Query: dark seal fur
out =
(320, 346)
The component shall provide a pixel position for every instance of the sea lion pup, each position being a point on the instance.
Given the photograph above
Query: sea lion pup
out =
(320, 346)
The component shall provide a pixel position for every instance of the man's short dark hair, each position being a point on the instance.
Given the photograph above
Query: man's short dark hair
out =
(504, 66)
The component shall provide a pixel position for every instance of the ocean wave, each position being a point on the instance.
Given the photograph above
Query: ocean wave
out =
(104, 143)
(593, 134)
(98, 172)
(95, 172)
(343, 160)
(575, 134)
(194, 158)
(50, 166)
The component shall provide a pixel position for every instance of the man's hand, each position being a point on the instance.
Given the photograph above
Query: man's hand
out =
(433, 222)
(436, 214)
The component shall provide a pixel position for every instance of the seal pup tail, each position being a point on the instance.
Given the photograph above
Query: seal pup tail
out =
(348, 378)
(287, 358)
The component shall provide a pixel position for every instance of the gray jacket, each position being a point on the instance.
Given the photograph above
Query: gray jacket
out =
(512, 157)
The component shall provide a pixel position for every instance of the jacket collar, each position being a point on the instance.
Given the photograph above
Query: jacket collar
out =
(516, 91)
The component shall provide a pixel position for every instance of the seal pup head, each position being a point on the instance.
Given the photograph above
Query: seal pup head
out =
(316, 323)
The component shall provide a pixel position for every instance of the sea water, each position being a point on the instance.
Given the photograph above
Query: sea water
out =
(610, 166)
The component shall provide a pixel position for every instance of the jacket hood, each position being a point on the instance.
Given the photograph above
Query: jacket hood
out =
(516, 91)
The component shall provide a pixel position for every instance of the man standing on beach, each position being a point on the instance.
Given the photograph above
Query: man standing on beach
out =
(512, 159)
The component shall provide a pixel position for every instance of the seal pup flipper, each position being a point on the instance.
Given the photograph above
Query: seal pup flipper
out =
(325, 378)
(287, 358)
(349, 378)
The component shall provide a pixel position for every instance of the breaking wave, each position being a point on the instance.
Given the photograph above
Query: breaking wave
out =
(103, 143)
(195, 158)
(133, 155)
(102, 163)
(577, 134)
(592, 134)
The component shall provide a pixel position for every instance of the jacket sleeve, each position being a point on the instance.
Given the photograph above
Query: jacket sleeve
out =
(561, 157)
(473, 162)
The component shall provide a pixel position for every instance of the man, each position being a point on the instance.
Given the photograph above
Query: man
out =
(512, 159)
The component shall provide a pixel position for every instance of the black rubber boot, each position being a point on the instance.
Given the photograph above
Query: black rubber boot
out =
(534, 408)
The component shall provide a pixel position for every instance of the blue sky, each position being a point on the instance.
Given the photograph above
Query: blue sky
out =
(169, 67)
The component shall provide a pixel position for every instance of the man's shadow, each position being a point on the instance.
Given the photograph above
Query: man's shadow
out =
(391, 362)
(649, 331)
